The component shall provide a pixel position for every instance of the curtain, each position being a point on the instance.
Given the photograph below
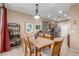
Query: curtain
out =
(0, 28)
(5, 41)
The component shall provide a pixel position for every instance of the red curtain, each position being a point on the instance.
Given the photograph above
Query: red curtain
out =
(5, 41)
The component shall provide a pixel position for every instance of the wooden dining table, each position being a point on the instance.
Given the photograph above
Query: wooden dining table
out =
(40, 43)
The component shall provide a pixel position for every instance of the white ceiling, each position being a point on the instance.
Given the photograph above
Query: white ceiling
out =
(45, 9)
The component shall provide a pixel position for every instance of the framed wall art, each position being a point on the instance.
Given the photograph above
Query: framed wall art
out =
(37, 26)
(28, 27)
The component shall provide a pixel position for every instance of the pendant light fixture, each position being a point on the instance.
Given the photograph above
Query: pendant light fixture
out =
(36, 13)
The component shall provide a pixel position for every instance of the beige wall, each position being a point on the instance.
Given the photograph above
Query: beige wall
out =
(74, 27)
(20, 18)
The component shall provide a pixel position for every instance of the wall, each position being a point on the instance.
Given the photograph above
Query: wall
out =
(20, 18)
(74, 27)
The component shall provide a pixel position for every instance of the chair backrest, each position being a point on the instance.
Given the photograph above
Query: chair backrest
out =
(47, 36)
(55, 49)
(41, 35)
(26, 45)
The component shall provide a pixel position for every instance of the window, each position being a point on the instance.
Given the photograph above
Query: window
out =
(45, 26)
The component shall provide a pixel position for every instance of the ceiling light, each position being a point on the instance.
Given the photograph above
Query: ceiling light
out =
(49, 16)
(37, 17)
(54, 18)
(36, 13)
(65, 15)
(69, 17)
(60, 11)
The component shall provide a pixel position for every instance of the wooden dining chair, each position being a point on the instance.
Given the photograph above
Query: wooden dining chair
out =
(47, 36)
(54, 50)
(68, 40)
(27, 46)
(41, 35)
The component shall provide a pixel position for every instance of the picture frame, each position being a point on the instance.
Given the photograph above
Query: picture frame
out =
(38, 26)
(28, 27)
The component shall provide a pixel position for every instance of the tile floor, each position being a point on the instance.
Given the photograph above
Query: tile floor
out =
(18, 51)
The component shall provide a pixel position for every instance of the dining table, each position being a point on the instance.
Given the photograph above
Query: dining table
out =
(41, 42)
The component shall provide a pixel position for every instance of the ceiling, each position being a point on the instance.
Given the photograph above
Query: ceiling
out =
(45, 9)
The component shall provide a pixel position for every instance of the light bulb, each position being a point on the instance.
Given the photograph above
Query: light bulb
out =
(49, 16)
(65, 15)
(69, 17)
(37, 17)
(60, 11)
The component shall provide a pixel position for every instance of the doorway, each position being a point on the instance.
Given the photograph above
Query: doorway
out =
(65, 28)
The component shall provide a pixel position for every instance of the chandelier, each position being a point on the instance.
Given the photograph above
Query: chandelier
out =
(36, 13)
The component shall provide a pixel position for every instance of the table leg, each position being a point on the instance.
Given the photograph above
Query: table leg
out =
(35, 51)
